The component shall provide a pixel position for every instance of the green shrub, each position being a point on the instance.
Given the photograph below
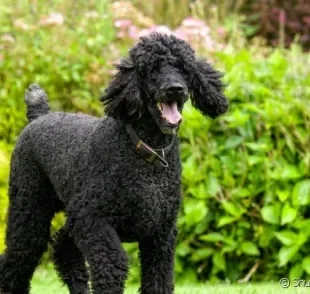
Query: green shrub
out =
(71, 61)
(246, 176)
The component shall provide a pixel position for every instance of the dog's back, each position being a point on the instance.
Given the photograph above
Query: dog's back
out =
(60, 144)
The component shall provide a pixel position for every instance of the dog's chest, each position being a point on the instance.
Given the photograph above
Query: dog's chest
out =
(152, 206)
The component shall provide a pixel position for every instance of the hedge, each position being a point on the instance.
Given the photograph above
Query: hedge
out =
(246, 175)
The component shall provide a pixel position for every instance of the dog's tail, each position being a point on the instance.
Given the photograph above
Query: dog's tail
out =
(37, 102)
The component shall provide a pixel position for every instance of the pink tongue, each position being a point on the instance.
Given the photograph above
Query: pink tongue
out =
(170, 112)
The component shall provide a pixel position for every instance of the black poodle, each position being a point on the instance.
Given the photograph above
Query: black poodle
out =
(103, 173)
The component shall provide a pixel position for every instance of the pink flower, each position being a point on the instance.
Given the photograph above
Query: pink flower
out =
(121, 34)
(122, 23)
(179, 33)
(282, 16)
(221, 31)
(133, 32)
(208, 43)
(163, 30)
(197, 33)
(193, 22)
(54, 18)
(7, 38)
(155, 29)
(19, 23)
(126, 29)
(145, 32)
(306, 19)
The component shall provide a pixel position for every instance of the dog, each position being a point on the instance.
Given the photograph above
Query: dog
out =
(117, 178)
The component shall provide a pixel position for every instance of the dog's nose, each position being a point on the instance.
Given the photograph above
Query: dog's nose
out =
(175, 88)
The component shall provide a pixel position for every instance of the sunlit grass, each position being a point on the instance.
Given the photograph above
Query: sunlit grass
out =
(45, 281)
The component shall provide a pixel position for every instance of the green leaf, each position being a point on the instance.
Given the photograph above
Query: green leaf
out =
(267, 234)
(290, 172)
(255, 159)
(305, 228)
(213, 186)
(296, 271)
(271, 213)
(302, 239)
(283, 194)
(198, 191)
(233, 142)
(201, 254)
(286, 237)
(286, 172)
(183, 249)
(290, 142)
(288, 214)
(286, 254)
(195, 211)
(301, 193)
(212, 237)
(306, 264)
(225, 220)
(240, 192)
(229, 248)
(219, 260)
(257, 146)
(249, 248)
(233, 209)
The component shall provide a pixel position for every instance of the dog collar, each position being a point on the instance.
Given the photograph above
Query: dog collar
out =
(148, 153)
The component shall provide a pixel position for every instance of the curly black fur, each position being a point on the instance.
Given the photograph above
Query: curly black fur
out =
(151, 62)
(88, 167)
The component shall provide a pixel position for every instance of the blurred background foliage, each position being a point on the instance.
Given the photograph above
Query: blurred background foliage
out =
(246, 175)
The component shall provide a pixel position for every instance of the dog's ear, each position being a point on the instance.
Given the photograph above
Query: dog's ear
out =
(122, 97)
(206, 90)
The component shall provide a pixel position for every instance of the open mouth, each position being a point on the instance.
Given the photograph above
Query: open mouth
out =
(169, 112)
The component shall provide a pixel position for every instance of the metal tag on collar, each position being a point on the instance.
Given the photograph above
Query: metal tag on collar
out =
(161, 163)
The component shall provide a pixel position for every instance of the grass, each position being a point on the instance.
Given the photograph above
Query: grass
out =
(46, 282)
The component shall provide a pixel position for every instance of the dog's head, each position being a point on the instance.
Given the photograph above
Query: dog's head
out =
(158, 76)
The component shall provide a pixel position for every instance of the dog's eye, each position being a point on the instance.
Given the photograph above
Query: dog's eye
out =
(182, 70)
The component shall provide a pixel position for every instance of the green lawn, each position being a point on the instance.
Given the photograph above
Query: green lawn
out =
(45, 282)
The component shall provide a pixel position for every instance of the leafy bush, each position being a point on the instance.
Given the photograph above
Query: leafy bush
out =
(246, 177)
(69, 57)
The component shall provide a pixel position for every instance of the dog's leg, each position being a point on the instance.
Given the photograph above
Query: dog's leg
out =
(101, 246)
(31, 209)
(70, 263)
(156, 257)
